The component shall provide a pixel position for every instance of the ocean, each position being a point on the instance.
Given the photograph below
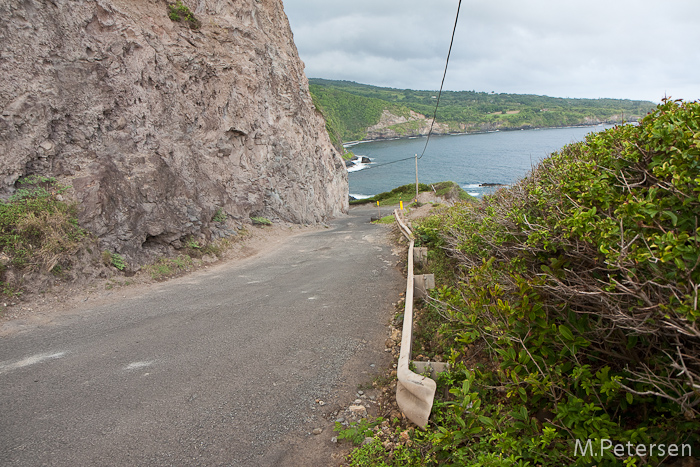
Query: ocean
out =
(470, 160)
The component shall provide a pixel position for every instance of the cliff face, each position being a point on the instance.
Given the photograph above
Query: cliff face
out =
(395, 126)
(158, 127)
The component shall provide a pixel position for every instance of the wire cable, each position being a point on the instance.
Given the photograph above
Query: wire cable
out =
(437, 104)
(373, 166)
(447, 62)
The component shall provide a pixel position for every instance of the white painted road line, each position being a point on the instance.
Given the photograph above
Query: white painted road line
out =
(7, 367)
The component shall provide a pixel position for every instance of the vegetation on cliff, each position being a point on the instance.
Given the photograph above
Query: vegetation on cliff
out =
(348, 115)
(39, 232)
(351, 108)
(569, 308)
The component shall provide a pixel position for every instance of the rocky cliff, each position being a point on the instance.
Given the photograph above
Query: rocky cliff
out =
(397, 126)
(159, 127)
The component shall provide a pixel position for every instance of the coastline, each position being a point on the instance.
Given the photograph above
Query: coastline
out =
(471, 161)
(350, 144)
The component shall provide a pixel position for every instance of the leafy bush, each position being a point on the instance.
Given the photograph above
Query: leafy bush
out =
(574, 304)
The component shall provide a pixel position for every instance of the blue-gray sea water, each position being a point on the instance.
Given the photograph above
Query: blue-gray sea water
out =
(469, 160)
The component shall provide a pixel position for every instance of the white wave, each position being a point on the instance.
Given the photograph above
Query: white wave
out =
(357, 167)
(474, 193)
(360, 196)
(471, 185)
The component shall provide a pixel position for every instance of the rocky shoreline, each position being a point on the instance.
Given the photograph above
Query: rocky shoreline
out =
(484, 130)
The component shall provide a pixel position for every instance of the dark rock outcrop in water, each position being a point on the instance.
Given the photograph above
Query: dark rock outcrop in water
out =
(159, 127)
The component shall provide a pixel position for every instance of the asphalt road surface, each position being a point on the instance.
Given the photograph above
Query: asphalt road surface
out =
(222, 367)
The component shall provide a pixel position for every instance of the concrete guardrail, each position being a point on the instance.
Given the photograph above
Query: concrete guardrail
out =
(414, 392)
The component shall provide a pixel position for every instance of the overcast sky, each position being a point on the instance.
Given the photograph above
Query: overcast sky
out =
(641, 49)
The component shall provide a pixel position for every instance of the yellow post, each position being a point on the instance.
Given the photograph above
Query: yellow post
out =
(379, 212)
(401, 204)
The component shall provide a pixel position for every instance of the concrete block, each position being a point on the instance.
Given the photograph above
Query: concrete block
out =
(422, 283)
(420, 255)
(429, 280)
(433, 367)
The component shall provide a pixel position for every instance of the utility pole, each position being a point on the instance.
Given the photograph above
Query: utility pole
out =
(416, 178)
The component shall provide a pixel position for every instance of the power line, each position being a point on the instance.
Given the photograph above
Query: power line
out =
(447, 62)
(437, 104)
(373, 166)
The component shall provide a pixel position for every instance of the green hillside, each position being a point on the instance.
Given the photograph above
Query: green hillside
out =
(349, 115)
(350, 108)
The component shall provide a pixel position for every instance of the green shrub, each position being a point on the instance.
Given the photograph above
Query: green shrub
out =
(573, 307)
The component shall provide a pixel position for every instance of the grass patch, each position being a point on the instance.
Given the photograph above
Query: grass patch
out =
(357, 431)
(258, 220)
(38, 231)
(164, 268)
(386, 220)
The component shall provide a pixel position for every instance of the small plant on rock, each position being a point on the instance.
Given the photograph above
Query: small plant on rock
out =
(219, 216)
(118, 261)
(179, 12)
(261, 220)
(357, 431)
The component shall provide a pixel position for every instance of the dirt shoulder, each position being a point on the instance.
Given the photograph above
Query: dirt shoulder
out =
(62, 298)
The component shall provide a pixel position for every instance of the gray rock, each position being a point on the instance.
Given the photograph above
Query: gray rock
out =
(157, 126)
(358, 411)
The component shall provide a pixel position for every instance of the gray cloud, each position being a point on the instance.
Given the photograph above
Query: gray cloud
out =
(639, 49)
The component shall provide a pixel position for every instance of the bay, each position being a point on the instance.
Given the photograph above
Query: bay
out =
(470, 160)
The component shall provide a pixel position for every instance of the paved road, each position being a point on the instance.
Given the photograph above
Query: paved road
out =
(222, 367)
